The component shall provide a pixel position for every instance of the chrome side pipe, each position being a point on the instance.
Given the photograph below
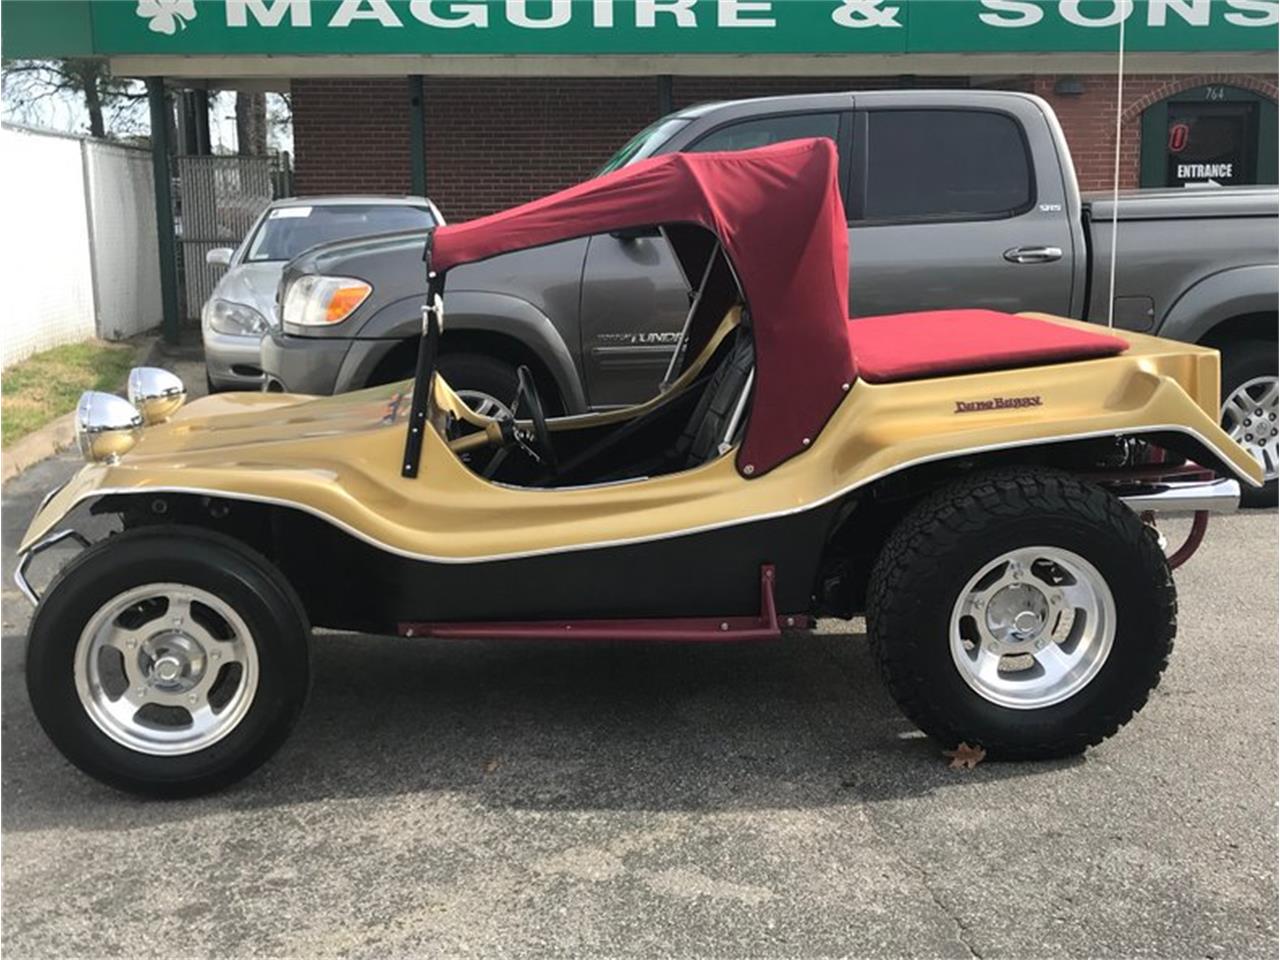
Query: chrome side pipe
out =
(1183, 496)
(1199, 498)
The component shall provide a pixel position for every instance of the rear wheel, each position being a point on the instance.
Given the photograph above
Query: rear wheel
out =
(1023, 611)
(1250, 408)
(168, 661)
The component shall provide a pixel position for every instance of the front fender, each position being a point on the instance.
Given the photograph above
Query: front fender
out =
(498, 314)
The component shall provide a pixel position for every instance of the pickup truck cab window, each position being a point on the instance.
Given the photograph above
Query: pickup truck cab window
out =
(763, 131)
(945, 164)
(644, 143)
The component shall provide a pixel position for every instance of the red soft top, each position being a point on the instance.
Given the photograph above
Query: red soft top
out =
(778, 213)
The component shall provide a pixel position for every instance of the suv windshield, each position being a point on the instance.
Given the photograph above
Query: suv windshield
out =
(287, 231)
(644, 143)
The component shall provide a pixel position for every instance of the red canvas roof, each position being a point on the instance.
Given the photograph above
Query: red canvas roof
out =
(778, 213)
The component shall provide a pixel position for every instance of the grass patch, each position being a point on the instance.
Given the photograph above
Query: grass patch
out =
(45, 386)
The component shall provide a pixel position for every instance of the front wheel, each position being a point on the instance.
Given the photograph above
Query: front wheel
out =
(168, 661)
(1024, 611)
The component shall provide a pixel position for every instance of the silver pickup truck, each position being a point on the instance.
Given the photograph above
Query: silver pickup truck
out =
(953, 198)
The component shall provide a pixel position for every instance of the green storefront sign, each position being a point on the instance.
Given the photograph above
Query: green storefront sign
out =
(550, 27)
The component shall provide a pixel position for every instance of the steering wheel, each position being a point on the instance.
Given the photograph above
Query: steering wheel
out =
(538, 446)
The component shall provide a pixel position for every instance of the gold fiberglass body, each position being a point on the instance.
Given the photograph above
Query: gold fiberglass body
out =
(336, 458)
(981, 487)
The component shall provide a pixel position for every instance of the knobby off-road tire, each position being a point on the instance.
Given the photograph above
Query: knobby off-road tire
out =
(929, 563)
(188, 620)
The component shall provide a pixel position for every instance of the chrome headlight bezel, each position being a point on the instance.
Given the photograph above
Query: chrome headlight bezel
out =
(234, 319)
(107, 426)
(156, 393)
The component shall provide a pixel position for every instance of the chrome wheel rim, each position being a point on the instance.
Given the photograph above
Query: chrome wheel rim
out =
(166, 669)
(1249, 414)
(484, 404)
(1032, 627)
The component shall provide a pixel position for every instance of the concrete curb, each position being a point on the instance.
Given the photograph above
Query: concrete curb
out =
(53, 438)
(49, 440)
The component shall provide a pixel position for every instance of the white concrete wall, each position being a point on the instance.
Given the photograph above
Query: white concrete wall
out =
(78, 246)
(122, 223)
(44, 245)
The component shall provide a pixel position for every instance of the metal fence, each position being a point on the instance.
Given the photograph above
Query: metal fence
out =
(219, 198)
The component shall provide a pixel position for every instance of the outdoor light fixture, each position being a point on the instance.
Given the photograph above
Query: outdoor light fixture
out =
(1069, 87)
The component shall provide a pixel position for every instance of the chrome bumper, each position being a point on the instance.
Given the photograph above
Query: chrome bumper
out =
(1182, 496)
(20, 574)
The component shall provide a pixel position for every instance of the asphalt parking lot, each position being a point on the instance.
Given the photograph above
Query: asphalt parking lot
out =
(494, 799)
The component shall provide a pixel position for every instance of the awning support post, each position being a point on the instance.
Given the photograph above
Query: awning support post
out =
(417, 137)
(158, 100)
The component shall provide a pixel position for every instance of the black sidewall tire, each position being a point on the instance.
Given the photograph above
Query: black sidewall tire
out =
(917, 660)
(470, 371)
(244, 580)
(1242, 362)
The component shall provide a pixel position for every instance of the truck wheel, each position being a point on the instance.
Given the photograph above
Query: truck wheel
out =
(1023, 611)
(486, 384)
(168, 661)
(1250, 407)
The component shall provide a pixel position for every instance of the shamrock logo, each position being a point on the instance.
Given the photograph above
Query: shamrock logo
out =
(167, 16)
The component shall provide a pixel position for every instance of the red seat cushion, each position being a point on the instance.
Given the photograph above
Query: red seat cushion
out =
(912, 346)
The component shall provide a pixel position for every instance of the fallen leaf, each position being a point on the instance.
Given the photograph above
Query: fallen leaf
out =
(965, 757)
(491, 766)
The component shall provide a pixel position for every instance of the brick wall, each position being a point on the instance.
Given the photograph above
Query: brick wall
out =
(351, 136)
(686, 91)
(494, 142)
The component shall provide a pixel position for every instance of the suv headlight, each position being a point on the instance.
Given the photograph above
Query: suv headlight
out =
(316, 301)
(235, 319)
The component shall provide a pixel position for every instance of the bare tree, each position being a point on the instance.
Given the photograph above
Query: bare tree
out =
(113, 104)
(251, 123)
(280, 115)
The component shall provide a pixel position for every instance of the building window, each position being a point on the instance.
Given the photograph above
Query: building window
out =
(1217, 134)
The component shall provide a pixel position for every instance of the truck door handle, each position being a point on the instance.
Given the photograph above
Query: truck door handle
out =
(1033, 254)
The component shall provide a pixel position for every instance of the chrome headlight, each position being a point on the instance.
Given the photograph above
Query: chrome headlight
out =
(235, 319)
(316, 301)
(156, 393)
(107, 426)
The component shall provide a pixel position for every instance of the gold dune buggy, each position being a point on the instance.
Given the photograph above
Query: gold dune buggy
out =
(975, 483)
